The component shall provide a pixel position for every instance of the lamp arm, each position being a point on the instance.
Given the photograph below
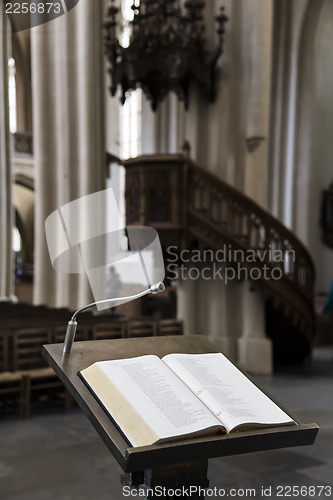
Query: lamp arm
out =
(99, 302)
(72, 323)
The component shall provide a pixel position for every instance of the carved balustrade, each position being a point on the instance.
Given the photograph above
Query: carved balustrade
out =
(190, 206)
(247, 226)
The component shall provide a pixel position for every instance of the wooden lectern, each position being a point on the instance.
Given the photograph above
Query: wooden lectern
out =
(179, 464)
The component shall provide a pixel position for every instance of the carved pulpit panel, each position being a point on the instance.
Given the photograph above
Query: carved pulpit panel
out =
(155, 195)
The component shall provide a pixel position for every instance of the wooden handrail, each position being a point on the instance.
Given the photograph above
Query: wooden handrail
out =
(218, 212)
(190, 205)
(257, 209)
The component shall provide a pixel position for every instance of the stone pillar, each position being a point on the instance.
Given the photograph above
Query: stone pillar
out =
(254, 349)
(163, 129)
(218, 311)
(233, 328)
(257, 50)
(187, 306)
(210, 307)
(149, 144)
(214, 313)
(67, 69)
(6, 214)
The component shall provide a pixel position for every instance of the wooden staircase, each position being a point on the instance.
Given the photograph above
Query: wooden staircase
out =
(194, 209)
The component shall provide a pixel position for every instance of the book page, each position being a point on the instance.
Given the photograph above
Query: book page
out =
(225, 390)
(154, 393)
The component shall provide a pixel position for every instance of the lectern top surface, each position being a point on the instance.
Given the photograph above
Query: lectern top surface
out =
(83, 354)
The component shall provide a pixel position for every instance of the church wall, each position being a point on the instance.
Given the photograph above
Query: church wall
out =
(299, 166)
(321, 173)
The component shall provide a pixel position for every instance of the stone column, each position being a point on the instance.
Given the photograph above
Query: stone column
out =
(6, 214)
(210, 307)
(234, 324)
(187, 306)
(215, 315)
(67, 69)
(217, 312)
(163, 129)
(257, 50)
(149, 140)
(254, 349)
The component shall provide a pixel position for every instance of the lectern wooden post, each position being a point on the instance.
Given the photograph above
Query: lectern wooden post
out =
(186, 480)
(178, 464)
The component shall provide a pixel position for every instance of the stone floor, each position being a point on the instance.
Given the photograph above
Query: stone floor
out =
(59, 456)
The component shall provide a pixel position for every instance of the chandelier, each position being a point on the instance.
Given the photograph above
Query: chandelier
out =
(166, 50)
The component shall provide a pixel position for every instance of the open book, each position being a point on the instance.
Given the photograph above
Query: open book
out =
(152, 400)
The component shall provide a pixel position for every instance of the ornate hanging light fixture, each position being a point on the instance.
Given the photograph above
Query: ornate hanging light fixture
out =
(166, 50)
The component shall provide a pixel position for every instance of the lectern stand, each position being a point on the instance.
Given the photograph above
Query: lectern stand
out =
(179, 464)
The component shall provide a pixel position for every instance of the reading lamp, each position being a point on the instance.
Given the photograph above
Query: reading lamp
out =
(72, 323)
